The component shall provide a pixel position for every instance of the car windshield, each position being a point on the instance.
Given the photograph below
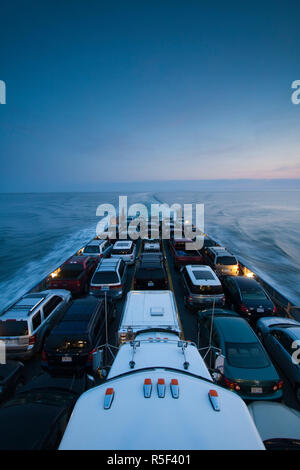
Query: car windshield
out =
(226, 260)
(105, 277)
(13, 328)
(253, 293)
(246, 355)
(91, 249)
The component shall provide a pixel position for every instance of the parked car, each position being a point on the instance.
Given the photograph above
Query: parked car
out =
(247, 368)
(221, 261)
(150, 274)
(69, 347)
(247, 297)
(202, 287)
(26, 324)
(151, 246)
(207, 243)
(126, 250)
(36, 418)
(182, 255)
(109, 278)
(74, 275)
(11, 378)
(277, 424)
(98, 248)
(281, 338)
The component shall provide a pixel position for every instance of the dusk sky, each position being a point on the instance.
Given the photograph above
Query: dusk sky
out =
(118, 92)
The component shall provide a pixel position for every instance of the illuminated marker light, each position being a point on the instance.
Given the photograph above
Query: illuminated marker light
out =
(147, 388)
(214, 399)
(108, 398)
(161, 388)
(174, 388)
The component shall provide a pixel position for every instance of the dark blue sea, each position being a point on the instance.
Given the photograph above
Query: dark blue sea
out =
(39, 231)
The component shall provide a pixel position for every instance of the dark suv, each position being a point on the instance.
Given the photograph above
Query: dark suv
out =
(69, 347)
(151, 273)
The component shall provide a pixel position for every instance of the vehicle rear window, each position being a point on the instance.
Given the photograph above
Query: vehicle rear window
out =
(91, 249)
(246, 355)
(70, 327)
(13, 328)
(253, 293)
(68, 344)
(207, 290)
(70, 272)
(105, 277)
(122, 251)
(226, 260)
(153, 273)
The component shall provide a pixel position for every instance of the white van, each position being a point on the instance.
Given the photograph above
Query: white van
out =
(126, 250)
(148, 310)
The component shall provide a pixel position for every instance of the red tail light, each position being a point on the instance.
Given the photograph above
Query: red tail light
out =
(275, 309)
(119, 286)
(90, 357)
(244, 309)
(32, 339)
(44, 356)
(231, 385)
(166, 282)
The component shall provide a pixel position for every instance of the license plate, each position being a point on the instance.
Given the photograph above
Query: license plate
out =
(66, 359)
(105, 288)
(150, 284)
(256, 390)
(260, 310)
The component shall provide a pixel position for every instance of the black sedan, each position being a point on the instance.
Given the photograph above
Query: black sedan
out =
(247, 297)
(36, 418)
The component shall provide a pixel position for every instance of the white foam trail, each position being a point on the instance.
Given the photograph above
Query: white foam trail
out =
(35, 271)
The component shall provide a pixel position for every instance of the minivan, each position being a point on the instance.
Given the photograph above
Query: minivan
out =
(202, 287)
(99, 248)
(221, 261)
(126, 250)
(109, 278)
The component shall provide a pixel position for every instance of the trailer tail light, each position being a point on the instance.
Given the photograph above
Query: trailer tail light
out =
(32, 340)
(161, 388)
(108, 398)
(174, 388)
(122, 338)
(147, 388)
(214, 399)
